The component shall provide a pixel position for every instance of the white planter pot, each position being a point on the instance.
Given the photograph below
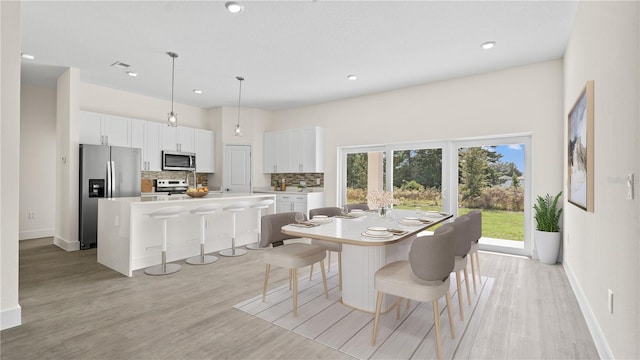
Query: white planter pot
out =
(548, 246)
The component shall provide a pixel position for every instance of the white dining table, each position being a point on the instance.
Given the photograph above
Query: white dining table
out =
(363, 255)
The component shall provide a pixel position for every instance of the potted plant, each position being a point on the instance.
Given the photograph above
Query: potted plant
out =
(547, 235)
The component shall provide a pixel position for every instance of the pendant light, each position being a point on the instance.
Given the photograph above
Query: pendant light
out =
(238, 131)
(173, 117)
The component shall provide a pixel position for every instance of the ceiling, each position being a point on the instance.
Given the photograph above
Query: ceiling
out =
(291, 53)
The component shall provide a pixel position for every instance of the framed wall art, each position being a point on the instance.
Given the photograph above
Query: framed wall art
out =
(580, 146)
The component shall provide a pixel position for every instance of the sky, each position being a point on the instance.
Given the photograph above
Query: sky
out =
(512, 153)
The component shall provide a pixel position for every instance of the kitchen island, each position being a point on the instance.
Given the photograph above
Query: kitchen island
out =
(128, 239)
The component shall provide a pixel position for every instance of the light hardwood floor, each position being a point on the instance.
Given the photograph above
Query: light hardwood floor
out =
(75, 308)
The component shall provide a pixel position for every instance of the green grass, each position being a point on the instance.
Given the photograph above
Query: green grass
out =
(497, 224)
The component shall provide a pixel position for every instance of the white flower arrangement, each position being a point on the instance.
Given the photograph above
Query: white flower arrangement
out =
(381, 198)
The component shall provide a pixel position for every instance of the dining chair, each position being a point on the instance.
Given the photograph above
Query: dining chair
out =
(328, 245)
(424, 277)
(290, 256)
(476, 231)
(462, 243)
(363, 207)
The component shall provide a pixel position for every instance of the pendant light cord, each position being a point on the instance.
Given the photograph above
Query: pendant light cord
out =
(240, 79)
(173, 65)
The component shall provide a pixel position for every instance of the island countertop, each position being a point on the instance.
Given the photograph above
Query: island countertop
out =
(128, 238)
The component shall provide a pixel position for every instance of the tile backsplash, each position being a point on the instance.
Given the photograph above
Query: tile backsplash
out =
(294, 179)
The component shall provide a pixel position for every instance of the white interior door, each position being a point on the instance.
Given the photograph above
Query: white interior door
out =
(237, 169)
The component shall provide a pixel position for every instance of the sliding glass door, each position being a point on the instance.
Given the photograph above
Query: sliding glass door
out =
(492, 174)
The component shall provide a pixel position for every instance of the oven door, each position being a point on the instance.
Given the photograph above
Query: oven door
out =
(172, 160)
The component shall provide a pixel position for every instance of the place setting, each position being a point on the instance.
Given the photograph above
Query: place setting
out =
(320, 219)
(345, 213)
(301, 222)
(379, 232)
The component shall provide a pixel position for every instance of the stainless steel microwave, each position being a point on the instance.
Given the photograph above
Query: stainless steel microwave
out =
(173, 160)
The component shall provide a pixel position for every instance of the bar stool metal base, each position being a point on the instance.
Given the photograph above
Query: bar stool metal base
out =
(233, 252)
(201, 260)
(256, 246)
(162, 269)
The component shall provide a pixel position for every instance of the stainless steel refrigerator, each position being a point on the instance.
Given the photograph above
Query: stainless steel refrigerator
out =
(105, 172)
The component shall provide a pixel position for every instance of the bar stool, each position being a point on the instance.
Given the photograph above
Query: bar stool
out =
(164, 214)
(264, 204)
(234, 209)
(203, 211)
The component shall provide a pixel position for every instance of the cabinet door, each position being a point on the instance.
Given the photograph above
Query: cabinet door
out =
(152, 152)
(269, 164)
(137, 139)
(284, 203)
(169, 138)
(300, 204)
(311, 150)
(90, 128)
(185, 139)
(296, 150)
(204, 149)
(116, 130)
(283, 155)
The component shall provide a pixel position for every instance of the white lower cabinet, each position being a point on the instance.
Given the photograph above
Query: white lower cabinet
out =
(301, 202)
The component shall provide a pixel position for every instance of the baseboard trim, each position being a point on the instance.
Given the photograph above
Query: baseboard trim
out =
(11, 318)
(592, 323)
(66, 245)
(35, 234)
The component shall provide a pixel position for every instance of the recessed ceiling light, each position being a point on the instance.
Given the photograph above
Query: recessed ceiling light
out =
(234, 7)
(352, 77)
(27, 56)
(488, 45)
(132, 74)
(197, 91)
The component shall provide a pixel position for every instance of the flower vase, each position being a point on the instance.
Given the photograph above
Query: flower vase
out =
(382, 211)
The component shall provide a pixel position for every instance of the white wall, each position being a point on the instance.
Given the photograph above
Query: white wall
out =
(601, 248)
(10, 47)
(37, 161)
(526, 99)
(116, 102)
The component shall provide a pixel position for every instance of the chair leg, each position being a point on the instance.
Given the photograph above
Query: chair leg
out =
(329, 261)
(473, 273)
(436, 317)
(266, 280)
(450, 312)
(324, 280)
(290, 279)
(377, 317)
(466, 282)
(340, 270)
(295, 292)
(478, 265)
(459, 295)
(310, 272)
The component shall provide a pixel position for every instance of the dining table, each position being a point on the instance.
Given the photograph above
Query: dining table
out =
(369, 242)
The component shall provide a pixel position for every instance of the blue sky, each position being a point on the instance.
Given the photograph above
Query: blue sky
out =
(512, 153)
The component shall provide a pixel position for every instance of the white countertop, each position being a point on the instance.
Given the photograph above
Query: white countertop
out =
(185, 198)
(290, 190)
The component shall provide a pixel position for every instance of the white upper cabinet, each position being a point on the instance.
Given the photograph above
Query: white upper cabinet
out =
(204, 143)
(293, 151)
(101, 129)
(146, 135)
(178, 138)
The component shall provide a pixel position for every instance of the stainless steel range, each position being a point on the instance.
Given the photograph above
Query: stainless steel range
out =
(172, 186)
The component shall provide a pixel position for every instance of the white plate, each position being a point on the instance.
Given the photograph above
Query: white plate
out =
(387, 235)
(321, 220)
(377, 230)
(432, 215)
(410, 223)
(411, 220)
(357, 213)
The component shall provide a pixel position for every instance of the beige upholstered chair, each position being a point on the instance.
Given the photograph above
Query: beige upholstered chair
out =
(476, 231)
(328, 245)
(425, 277)
(462, 243)
(290, 256)
(363, 207)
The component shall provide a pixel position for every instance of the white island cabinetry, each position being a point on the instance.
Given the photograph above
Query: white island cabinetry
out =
(295, 201)
(128, 239)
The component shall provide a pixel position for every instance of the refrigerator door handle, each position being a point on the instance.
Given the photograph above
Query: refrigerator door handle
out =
(113, 178)
(108, 190)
